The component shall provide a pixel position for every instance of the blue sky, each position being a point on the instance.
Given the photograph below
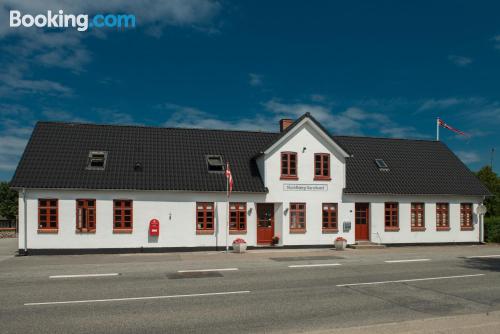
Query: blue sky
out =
(385, 68)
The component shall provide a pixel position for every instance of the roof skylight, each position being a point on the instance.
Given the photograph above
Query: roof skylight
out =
(215, 163)
(97, 160)
(381, 164)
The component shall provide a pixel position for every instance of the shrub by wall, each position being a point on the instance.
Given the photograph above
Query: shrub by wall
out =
(492, 229)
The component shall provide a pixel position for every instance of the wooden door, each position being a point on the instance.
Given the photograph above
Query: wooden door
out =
(362, 221)
(265, 223)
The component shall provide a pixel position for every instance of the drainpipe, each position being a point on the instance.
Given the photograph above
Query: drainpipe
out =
(25, 219)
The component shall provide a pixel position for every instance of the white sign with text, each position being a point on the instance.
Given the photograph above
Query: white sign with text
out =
(305, 187)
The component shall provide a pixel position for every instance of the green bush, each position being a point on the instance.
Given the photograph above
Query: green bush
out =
(492, 229)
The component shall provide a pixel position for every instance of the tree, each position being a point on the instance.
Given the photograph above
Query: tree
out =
(491, 180)
(8, 201)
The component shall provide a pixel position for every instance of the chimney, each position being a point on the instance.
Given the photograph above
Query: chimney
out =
(285, 123)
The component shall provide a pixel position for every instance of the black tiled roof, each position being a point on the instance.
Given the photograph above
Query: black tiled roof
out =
(171, 159)
(175, 159)
(415, 167)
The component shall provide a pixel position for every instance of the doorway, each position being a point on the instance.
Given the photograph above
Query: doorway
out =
(265, 223)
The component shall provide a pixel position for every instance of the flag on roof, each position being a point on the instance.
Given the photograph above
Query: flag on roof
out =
(446, 126)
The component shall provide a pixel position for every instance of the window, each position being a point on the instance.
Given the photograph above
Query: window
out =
(289, 165)
(417, 216)
(466, 216)
(442, 217)
(97, 160)
(85, 215)
(322, 166)
(391, 217)
(330, 217)
(48, 215)
(123, 219)
(204, 218)
(215, 163)
(297, 217)
(237, 217)
(382, 165)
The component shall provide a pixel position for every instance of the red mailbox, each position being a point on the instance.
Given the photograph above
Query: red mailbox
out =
(154, 227)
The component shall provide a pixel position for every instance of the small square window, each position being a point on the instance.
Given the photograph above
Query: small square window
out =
(381, 163)
(215, 163)
(97, 160)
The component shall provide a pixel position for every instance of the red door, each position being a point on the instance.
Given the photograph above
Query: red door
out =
(362, 221)
(265, 223)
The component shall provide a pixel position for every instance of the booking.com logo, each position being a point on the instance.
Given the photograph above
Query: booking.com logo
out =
(81, 21)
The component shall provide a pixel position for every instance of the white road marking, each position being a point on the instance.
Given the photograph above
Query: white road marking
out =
(411, 280)
(206, 270)
(409, 260)
(314, 265)
(139, 298)
(84, 275)
(481, 256)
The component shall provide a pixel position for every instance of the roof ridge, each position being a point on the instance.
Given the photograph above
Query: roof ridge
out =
(152, 127)
(387, 138)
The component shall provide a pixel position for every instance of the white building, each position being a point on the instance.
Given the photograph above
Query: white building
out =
(85, 187)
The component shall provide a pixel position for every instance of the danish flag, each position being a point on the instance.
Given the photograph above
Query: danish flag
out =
(446, 126)
(229, 177)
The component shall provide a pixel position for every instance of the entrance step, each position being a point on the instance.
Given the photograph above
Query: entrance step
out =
(366, 245)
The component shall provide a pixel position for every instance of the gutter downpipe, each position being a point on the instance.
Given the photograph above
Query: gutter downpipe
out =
(481, 224)
(25, 222)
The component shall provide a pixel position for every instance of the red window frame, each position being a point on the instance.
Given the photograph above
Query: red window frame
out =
(329, 217)
(391, 220)
(48, 215)
(123, 215)
(237, 218)
(442, 216)
(417, 216)
(289, 166)
(205, 218)
(297, 217)
(466, 219)
(322, 166)
(85, 215)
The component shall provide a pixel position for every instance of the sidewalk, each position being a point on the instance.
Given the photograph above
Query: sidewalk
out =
(463, 324)
(8, 248)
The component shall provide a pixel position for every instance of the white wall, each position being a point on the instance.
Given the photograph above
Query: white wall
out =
(176, 212)
(307, 137)
(430, 235)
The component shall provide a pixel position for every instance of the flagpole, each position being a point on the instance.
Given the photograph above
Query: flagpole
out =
(227, 213)
(437, 129)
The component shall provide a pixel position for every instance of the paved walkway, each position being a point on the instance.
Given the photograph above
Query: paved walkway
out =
(8, 248)
(485, 323)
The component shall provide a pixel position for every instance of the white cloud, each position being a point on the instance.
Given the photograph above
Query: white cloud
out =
(65, 49)
(13, 139)
(189, 117)
(255, 79)
(113, 116)
(352, 121)
(15, 82)
(61, 115)
(439, 103)
(460, 61)
(468, 156)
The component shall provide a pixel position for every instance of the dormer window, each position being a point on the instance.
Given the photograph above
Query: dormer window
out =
(97, 160)
(382, 165)
(215, 163)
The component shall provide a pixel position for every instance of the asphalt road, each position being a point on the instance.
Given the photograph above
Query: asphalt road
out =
(280, 291)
